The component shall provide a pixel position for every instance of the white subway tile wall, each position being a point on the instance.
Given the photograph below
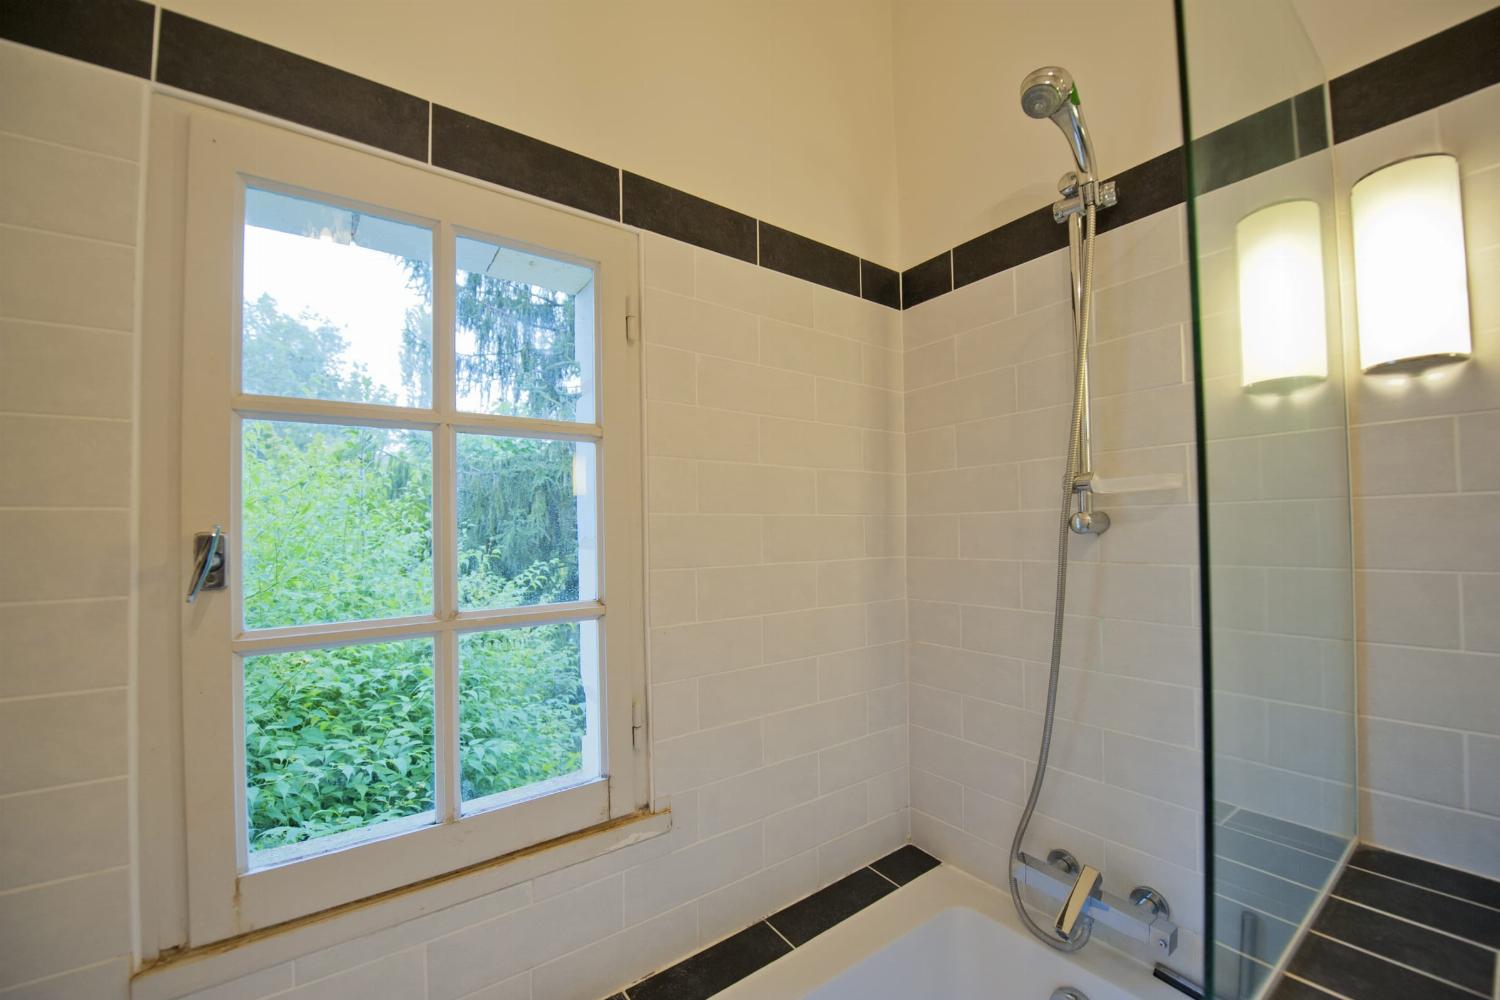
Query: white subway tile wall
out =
(988, 375)
(1279, 552)
(777, 653)
(70, 139)
(1426, 459)
(851, 530)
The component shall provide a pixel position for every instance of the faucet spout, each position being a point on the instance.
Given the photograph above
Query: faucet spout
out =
(1087, 886)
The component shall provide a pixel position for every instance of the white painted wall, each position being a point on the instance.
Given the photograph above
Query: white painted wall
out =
(778, 108)
(968, 158)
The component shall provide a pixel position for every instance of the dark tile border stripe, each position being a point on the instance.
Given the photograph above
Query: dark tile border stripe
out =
(211, 61)
(927, 280)
(1294, 989)
(220, 64)
(1395, 926)
(1354, 973)
(1428, 875)
(1155, 185)
(1418, 78)
(682, 216)
(905, 864)
(1016, 242)
(716, 968)
(116, 34)
(1470, 921)
(807, 259)
(493, 153)
(1439, 955)
(720, 966)
(881, 285)
(204, 59)
(833, 904)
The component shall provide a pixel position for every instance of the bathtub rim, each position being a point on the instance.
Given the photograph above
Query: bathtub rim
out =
(890, 918)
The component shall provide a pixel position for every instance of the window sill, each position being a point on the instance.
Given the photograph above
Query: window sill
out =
(210, 965)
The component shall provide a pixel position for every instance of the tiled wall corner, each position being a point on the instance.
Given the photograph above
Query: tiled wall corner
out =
(988, 390)
(1427, 536)
(70, 141)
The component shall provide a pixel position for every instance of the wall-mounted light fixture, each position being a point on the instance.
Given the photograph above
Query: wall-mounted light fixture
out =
(1283, 317)
(1410, 274)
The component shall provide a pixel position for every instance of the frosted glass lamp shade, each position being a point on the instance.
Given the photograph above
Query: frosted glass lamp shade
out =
(1410, 274)
(1283, 315)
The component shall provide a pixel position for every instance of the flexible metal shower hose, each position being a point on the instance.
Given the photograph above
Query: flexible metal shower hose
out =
(1082, 934)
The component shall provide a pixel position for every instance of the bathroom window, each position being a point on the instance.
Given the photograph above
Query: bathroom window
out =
(411, 406)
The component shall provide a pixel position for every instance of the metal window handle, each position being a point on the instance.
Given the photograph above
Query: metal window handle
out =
(211, 554)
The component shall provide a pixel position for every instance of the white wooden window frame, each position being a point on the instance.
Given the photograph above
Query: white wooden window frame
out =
(224, 898)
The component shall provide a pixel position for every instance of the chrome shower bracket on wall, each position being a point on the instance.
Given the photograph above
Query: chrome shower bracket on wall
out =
(1077, 195)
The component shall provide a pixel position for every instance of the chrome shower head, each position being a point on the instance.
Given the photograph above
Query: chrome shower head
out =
(1045, 91)
(1049, 92)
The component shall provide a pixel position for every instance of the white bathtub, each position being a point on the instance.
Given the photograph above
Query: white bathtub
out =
(944, 936)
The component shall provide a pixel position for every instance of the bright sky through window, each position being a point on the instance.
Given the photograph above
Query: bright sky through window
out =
(364, 293)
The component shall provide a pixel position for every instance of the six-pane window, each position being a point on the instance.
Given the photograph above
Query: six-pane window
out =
(419, 525)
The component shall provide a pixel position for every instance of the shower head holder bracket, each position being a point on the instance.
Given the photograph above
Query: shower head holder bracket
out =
(1076, 199)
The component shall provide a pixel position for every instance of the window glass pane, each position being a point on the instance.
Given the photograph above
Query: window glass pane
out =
(337, 523)
(338, 744)
(528, 704)
(526, 521)
(525, 333)
(337, 303)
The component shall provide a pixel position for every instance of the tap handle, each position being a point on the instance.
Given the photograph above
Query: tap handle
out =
(1088, 885)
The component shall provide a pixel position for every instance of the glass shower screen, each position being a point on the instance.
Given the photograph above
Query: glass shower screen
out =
(1273, 472)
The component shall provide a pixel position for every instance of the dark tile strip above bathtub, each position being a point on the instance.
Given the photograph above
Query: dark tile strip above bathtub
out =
(1436, 877)
(808, 259)
(1470, 921)
(1354, 973)
(1292, 834)
(115, 34)
(1418, 78)
(1402, 933)
(722, 965)
(927, 280)
(906, 864)
(1295, 989)
(807, 918)
(499, 155)
(228, 67)
(682, 216)
(716, 968)
(1439, 955)
(881, 285)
